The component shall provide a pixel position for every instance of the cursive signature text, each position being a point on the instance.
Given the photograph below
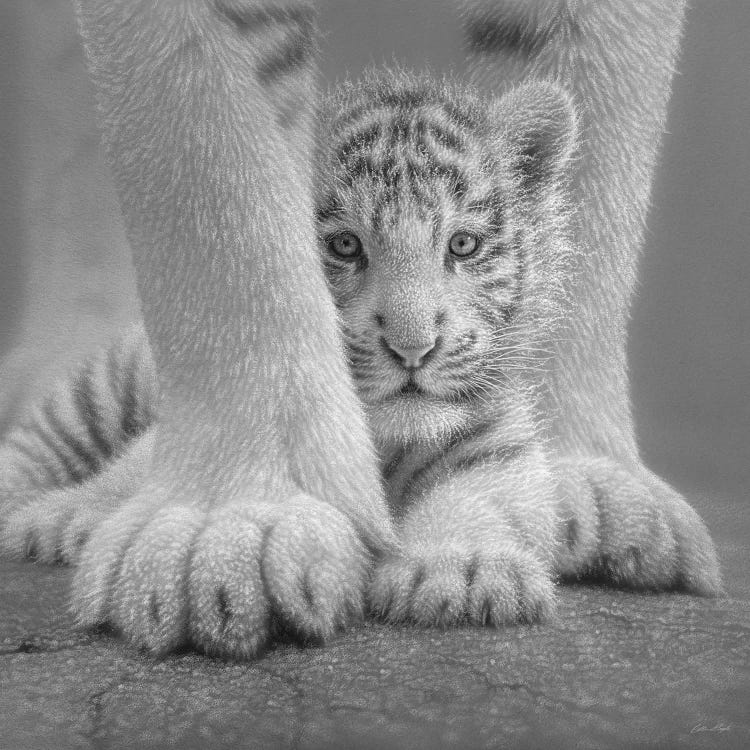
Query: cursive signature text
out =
(718, 727)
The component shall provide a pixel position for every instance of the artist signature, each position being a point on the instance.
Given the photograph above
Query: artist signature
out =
(718, 727)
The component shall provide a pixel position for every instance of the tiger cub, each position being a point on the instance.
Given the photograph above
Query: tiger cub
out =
(442, 222)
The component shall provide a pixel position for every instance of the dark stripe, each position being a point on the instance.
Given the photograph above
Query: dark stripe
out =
(420, 189)
(492, 207)
(295, 53)
(486, 204)
(389, 168)
(376, 217)
(336, 267)
(393, 464)
(114, 369)
(366, 358)
(494, 250)
(485, 260)
(399, 130)
(461, 349)
(487, 313)
(482, 266)
(362, 374)
(466, 121)
(356, 349)
(457, 179)
(508, 312)
(441, 457)
(489, 36)
(389, 194)
(360, 141)
(132, 422)
(355, 113)
(360, 166)
(392, 171)
(520, 275)
(70, 468)
(328, 210)
(436, 167)
(250, 20)
(409, 99)
(445, 137)
(386, 170)
(402, 103)
(82, 451)
(86, 406)
(501, 455)
(500, 282)
(420, 474)
(363, 366)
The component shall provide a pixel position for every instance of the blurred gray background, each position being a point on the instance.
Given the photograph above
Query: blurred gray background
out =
(66, 284)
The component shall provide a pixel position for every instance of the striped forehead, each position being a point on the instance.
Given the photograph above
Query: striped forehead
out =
(400, 125)
(406, 151)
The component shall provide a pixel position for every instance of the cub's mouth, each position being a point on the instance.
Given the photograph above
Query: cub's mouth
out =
(411, 390)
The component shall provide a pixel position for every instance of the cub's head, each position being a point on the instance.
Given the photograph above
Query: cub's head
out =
(441, 222)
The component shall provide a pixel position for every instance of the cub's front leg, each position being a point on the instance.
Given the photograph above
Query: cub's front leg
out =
(476, 547)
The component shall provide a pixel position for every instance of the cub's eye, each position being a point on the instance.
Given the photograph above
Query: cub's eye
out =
(345, 245)
(463, 244)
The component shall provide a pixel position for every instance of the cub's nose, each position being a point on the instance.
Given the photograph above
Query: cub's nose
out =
(411, 357)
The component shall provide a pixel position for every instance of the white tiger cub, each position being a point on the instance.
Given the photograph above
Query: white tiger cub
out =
(443, 227)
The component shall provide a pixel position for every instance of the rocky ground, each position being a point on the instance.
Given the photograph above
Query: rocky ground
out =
(614, 669)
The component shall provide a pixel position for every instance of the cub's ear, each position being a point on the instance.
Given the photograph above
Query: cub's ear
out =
(538, 128)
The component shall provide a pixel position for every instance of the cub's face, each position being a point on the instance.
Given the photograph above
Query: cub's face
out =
(420, 227)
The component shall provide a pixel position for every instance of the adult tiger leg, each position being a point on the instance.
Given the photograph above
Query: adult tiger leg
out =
(618, 58)
(262, 503)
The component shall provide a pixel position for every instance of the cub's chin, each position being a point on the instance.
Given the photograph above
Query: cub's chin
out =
(412, 419)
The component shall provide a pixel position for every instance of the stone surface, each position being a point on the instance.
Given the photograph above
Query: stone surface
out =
(614, 669)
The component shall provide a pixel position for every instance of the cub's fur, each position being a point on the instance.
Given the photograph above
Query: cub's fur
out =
(442, 338)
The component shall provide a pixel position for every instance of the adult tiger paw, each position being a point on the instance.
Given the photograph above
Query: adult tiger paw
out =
(490, 580)
(631, 529)
(222, 581)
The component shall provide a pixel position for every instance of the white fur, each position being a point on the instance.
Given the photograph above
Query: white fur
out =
(262, 496)
(256, 410)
